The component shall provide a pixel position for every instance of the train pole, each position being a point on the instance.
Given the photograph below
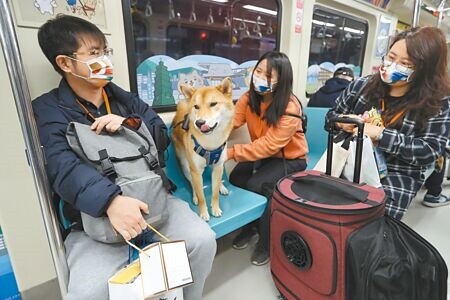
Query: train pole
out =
(416, 12)
(33, 148)
(441, 9)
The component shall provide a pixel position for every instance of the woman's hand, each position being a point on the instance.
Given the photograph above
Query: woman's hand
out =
(110, 123)
(371, 131)
(348, 127)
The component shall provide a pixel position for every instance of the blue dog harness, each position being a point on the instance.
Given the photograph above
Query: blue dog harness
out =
(211, 156)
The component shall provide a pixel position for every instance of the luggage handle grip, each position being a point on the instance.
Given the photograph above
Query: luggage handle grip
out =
(346, 120)
(359, 143)
(350, 192)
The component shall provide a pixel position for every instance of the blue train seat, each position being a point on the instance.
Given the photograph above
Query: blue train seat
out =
(316, 135)
(8, 284)
(63, 220)
(239, 207)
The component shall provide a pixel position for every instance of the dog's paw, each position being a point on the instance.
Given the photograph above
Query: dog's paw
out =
(216, 211)
(195, 200)
(223, 190)
(204, 215)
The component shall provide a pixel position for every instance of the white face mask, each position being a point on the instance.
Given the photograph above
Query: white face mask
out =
(261, 86)
(99, 68)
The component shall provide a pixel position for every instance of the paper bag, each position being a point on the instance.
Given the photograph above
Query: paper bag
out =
(161, 272)
(340, 156)
(369, 170)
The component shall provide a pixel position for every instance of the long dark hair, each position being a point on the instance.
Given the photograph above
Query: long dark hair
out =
(427, 49)
(283, 90)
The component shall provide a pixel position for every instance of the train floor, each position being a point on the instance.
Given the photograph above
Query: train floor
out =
(234, 277)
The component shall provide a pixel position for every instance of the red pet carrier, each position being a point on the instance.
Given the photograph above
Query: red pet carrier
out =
(312, 215)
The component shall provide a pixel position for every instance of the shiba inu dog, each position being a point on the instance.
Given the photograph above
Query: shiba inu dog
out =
(201, 127)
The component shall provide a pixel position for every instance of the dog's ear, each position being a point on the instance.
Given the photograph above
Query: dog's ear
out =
(226, 86)
(187, 91)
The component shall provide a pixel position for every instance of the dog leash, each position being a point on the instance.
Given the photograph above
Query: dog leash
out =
(185, 123)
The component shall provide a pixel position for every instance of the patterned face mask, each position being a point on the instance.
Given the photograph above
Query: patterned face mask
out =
(261, 85)
(392, 72)
(99, 68)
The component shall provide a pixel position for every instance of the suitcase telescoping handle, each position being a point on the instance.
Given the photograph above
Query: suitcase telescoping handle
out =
(359, 143)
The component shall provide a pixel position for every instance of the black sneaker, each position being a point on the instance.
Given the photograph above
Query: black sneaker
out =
(435, 201)
(241, 240)
(260, 256)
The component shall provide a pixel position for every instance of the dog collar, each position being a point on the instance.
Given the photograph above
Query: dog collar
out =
(211, 156)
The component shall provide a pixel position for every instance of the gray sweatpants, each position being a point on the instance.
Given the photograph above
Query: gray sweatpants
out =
(92, 263)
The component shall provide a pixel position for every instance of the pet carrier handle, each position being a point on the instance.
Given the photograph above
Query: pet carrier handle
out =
(333, 190)
(359, 143)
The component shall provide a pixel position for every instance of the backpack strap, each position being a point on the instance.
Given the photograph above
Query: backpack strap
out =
(156, 167)
(106, 165)
(302, 117)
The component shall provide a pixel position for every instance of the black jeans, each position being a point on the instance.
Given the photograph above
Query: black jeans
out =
(434, 182)
(261, 177)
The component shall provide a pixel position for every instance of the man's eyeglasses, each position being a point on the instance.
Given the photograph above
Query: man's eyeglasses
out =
(96, 52)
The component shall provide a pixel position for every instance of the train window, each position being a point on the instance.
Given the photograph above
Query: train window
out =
(196, 42)
(337, 40)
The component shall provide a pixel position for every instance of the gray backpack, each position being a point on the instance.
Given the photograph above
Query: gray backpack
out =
(129, 158)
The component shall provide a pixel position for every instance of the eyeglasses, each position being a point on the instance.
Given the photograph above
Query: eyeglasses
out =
(398, 65)
(96, 52)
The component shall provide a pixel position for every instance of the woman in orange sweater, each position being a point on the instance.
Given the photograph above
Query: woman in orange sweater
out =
(278, 146)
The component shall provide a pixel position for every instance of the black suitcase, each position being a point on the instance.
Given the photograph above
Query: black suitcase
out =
(388, 260)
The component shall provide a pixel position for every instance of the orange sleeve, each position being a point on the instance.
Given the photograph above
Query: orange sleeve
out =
(230, 153)
(271, 143)
(240, 110)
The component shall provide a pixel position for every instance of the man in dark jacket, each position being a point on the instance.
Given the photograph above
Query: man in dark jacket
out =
(77, 49)
(326, 96)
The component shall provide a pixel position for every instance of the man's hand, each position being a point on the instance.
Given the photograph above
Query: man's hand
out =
(125, 215)
(110, 123)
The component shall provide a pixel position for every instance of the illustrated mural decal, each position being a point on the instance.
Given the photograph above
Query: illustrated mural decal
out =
(159, 77)
(34, 13)
(84, 7)
(45, 6)
(87, 7)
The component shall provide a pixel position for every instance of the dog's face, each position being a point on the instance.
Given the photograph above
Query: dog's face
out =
(210, 108)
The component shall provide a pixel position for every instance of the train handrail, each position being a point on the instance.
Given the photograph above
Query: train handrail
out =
(33, 148)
